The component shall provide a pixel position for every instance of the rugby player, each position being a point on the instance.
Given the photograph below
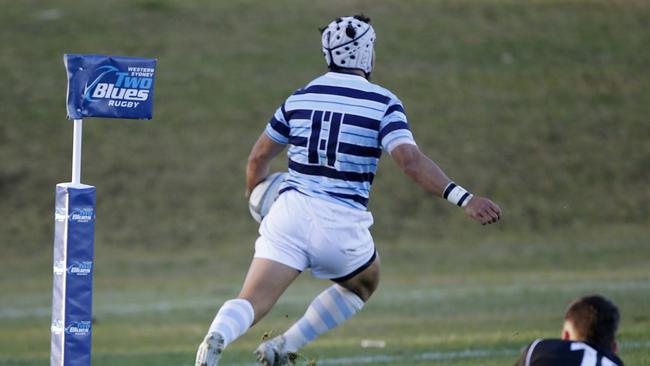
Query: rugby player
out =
(336, 128)
(588, 337)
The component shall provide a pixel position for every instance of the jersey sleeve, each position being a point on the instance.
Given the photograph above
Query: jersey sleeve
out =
(394, 129)
(278, 128)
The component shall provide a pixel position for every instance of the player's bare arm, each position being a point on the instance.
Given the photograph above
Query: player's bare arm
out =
(259, 161)
(428, 175)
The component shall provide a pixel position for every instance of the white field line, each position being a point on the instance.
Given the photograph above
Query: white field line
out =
(386, 297)
(116, 309)
(440, 356)
(416, 357)
(428, 356)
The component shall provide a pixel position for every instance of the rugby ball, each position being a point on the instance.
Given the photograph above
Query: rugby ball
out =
(264, 194)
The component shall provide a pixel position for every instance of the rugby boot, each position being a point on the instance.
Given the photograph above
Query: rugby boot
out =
(209, 351)
(271, 353)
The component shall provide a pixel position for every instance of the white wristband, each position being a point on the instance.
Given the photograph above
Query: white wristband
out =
(456, 194)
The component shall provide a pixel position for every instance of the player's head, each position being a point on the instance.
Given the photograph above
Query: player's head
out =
(348, 44)
(592, 319)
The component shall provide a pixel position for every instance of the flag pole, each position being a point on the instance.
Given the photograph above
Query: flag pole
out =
(76, 152)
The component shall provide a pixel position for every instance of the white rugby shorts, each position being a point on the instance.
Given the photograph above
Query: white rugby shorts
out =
(307, 232)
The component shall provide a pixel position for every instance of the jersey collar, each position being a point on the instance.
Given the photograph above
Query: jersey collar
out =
(345, 76)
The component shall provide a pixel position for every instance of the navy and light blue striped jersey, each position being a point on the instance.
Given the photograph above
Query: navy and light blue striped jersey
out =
(337, 127)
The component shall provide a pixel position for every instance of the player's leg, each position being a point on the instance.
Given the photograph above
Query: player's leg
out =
(365, 283)
(341, 249)
(332, 307)
(265, 282)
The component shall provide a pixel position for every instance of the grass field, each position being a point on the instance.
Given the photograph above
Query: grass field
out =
(542, 105)
(437, 305)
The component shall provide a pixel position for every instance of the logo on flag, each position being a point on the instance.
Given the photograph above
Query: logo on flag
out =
(110, 86)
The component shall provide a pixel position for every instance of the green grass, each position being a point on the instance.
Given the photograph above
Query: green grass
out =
(455, 303)
(541, 105)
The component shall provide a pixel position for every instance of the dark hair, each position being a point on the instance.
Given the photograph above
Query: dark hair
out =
(595, 319)
(359, 17)
(362, 18)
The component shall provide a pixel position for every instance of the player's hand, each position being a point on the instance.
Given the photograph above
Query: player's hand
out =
(483, 210)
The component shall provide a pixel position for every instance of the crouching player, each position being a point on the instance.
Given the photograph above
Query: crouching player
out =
(588, 337)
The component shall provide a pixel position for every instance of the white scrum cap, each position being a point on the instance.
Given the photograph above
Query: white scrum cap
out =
(348, 43)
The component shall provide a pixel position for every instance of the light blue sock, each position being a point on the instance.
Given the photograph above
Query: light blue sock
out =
(233, 319)
(329, 309)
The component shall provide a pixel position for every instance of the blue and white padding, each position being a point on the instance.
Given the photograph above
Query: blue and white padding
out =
(74, 227)
(457, 195)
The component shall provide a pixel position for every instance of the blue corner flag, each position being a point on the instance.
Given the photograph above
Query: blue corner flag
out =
(98, 86)
(109, 86)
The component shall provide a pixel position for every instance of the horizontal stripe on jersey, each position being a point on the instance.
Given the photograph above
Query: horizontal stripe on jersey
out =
(337, 127)
(343, 91)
